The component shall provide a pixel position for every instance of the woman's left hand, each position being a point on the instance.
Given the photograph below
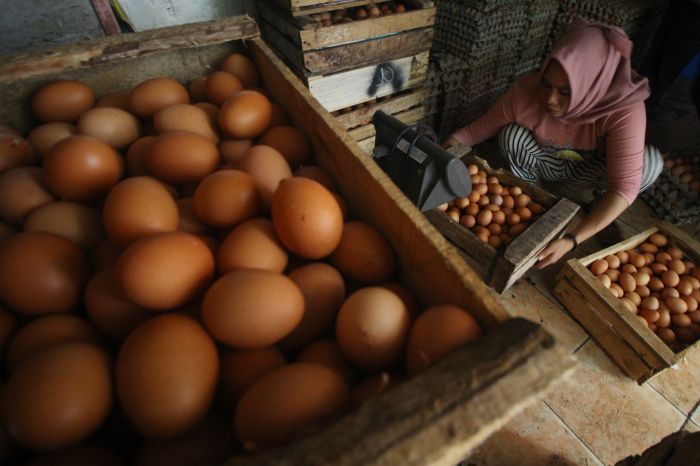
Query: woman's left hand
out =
(553, 252)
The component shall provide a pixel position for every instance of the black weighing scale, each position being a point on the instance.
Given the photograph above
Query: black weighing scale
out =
(426, 173)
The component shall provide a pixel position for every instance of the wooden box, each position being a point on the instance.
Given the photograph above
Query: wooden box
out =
(636, 349)
(500, 268)
(349, 63)
(436, 418)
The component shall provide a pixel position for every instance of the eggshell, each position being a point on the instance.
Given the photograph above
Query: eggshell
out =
(240, 368)
(251, 309)
(326, 353)
(15, 151)
(634, 297)
(198, 89)
(232, 151)
(58, 271)
(59, 396)
(243, 68)
(436, 333)
(153, 94)
(252, 244)
(115, 99)
(676, 305)
(605, 280)
(373, 387)
(637, 260)
(44, 137)
(372, 327)
(63, 100)
(166, 373)
(650, 315)
(165, 270)
(136, 156)
(109, 310)
(185, 117)
(677, 266)
(287, 401)
(307, 218)
(623, 256)
(642, 291)
(246, 114)
(82, 168)
(113, 126)
(691, 302)
(655, 284)
(226, 198)
(181, 157)
(614, 274)
(666, 335)
(77, 222)
(670, 278)
(364, 254)
(291, 142)
(658, 239)
(138, 207)
(267, 166)
(599, 266)
(664, 319)
(648, 247)
(613, 261)
(22, 190)
(675, 253)
(684, 287)
(220, 86)
(681, 320)
(663, 258)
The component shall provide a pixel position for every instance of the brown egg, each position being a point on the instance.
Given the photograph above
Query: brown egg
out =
(138, 207)
(677, 266)
(684, 287)
(364, 254)
(226, 198)
(642, 291)
(650, 315)
(109, 310)
(307, 218)
(15, 151)
(291, 142)
(232, 151)
(694, 282)
(77, 222)
(617, 290)
(250, 309)
(319, 174)
(499, 218)
(245, 115)
(637, 260)
(198, 89)
(484, 217)
(240, 368)
(181, 157)
(664, 318)
(136, 156)
(287, 401)
(670, 292)
(605, 280)
(112, 126)
(324, 291)
(252, 244)
(634, 297)
(656, 284)
(676, 305)
(44, 137)
(623, 256)
(59, 396)
(188, 220)
(681, 320)
(691, 302)
(642, 278)
(185, 117)
(62, 101)
(115, 99)
(650, 302)
(82, 168)
(599, 266)
(517, 229)
(494, 228)
(648, 247)
(613, 261)
(153, 94)
(663, 258)
(513, 219)
(694, 316)
(370, 339)
(629, 305)
(58, 271)
(165, 270)
(658, 239)
(658, 269)
(675, 253)
(105, 255)
(666, 334)
(670, 278)
(437, 332)
(166, 373)
(326, 353)
(267, 166)
(220, 86)
(243, 68)
(21, 192)
(614, 274)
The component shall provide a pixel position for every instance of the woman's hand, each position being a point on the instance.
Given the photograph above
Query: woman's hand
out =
(553, 252)
(449, 142)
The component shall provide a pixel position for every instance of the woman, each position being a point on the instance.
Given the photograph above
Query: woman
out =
(580, 120)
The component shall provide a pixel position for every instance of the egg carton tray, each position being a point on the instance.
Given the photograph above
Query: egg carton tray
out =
(671, 213)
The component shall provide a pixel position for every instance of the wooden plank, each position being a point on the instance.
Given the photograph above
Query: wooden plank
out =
(629, 243)
(106, 16)
(610, 341)
(505, 367)
(283, 46)
(363, 53)
(367, 145)
(314, 6)
(407, 117)
(361, 30)
(355, 86)
(112, 49)
(282, 23)
(363, 116)
(649, 346)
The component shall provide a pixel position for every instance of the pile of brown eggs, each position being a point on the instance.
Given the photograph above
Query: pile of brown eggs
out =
(656, 282)
(175, 270)
(348, 15)
(686, 168)
(493, 212)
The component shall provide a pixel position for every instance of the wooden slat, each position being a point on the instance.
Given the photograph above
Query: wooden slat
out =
(367, 145)
(281, 21)
(283, 46)
(363, 116)
(124, 46)
(649, 346)
(407, 117)
(314, 6)
(506, 368)
(629, 243)
(610, 341)
(352, 87)
(361, 30)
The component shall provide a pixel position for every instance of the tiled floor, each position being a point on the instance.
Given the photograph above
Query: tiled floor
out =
(600, 416)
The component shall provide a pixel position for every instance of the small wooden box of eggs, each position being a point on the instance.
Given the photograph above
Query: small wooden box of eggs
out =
(351, 52)
(639, 299)
(503, 224)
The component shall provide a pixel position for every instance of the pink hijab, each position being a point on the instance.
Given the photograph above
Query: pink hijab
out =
(596, 58)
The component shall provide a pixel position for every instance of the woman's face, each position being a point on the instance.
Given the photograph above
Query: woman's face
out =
(555, 90)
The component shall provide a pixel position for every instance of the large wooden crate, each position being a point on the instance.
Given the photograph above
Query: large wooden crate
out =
(636, 349)
(346, 64)
(501, 268)
(436, 418)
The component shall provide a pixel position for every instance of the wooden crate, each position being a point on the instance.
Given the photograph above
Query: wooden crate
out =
(346, 64)
(501, 268)
(436, 418)
(307, 7)
(637, 350)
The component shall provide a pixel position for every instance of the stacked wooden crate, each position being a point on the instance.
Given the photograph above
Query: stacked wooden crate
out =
(356, 57)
